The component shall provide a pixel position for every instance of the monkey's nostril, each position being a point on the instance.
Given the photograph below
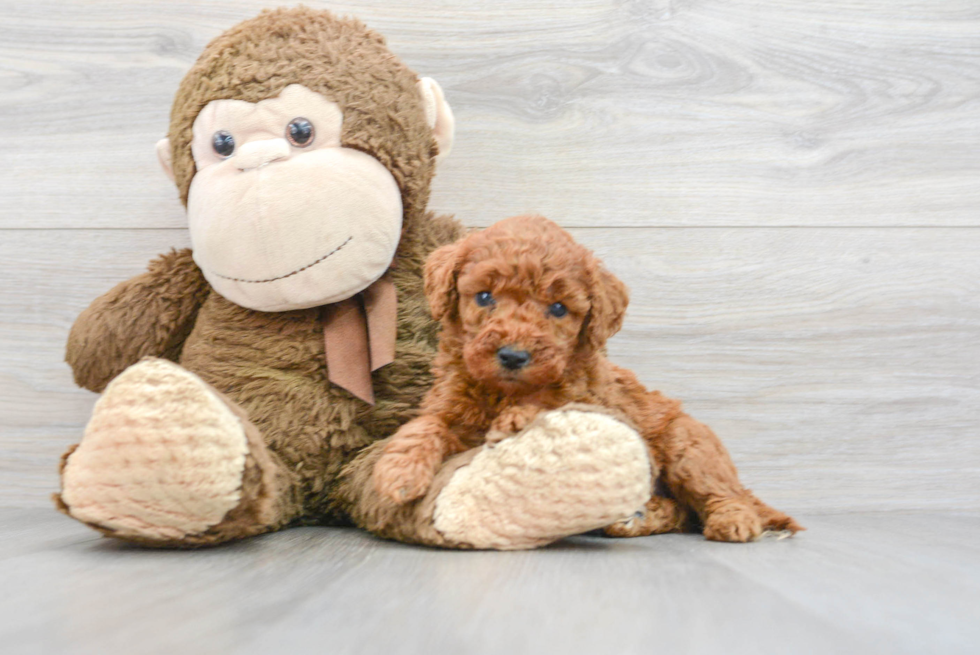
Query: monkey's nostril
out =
(513, 359)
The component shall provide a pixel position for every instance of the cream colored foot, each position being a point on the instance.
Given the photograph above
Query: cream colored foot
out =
(568, 472)
(162, 457)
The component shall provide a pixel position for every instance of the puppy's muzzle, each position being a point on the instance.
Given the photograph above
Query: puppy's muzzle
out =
(513, 360)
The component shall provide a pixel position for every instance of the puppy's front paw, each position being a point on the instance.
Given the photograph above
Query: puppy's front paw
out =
(733, 521)
(402, 477)
(493, 437)
(512, 420)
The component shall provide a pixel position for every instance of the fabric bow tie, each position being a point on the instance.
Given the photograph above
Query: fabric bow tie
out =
(359, 337)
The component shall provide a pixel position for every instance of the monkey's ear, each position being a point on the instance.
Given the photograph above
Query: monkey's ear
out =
(441, 270)
(609, 298)
(165, 155)
(438, 114)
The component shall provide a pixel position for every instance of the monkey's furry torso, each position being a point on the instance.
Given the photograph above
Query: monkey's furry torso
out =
(271, 364)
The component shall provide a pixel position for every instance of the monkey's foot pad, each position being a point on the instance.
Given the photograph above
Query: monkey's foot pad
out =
(162, 457)
(568, 472)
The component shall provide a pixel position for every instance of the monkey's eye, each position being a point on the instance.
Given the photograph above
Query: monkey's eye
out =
(300, 132)
(484, 299)
(223, 143)
(557, 309)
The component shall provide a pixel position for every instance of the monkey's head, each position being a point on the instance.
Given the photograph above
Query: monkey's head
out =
(302, 149)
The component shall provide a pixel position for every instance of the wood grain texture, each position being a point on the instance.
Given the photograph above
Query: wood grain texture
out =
(884, 583)
(603, 112)
(841, 366)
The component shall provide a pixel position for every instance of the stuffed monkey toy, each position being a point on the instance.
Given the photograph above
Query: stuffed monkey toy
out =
(248, 384)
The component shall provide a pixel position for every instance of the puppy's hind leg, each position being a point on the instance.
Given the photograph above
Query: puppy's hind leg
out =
(772, 519)
(660, 515)
(700, 473)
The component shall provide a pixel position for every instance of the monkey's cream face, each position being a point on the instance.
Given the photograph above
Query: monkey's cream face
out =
(281, 216)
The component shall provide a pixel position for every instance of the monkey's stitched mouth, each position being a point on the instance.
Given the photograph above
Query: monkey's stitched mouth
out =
(298, 270)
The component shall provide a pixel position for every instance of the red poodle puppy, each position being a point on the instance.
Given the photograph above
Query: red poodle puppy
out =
(525, 315)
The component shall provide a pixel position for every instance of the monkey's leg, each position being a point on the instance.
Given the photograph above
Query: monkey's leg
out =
(166, 460)
(568, 472)
(700, 473)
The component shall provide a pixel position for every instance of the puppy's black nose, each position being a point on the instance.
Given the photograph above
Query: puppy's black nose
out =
(513, 359)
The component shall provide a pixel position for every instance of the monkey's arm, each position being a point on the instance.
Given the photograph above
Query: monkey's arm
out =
(150, 314)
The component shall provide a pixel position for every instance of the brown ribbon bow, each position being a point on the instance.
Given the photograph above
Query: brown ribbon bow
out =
(359, 337)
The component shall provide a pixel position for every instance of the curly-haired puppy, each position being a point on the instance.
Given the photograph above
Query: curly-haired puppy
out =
(525, 314)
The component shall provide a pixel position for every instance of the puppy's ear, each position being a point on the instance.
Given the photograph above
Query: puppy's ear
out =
(441, 270)
(609, 298)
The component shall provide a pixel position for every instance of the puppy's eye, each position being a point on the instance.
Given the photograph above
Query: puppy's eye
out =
(223, 143)
(300, 132)
(484, 299)
(557, 309)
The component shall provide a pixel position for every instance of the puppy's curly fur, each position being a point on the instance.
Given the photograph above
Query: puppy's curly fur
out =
(525, 315)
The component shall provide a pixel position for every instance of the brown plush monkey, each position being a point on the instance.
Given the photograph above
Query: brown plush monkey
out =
(244, 380)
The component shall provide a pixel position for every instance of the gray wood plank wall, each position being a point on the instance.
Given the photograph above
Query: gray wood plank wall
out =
(791, 189)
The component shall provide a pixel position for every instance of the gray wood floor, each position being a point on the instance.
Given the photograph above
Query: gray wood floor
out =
(791, 190)
(854, 583)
